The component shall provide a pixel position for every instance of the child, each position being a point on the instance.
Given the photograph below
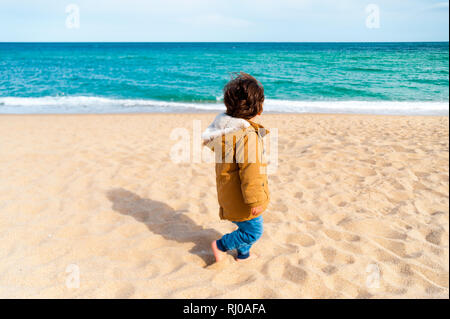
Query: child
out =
(241, 178)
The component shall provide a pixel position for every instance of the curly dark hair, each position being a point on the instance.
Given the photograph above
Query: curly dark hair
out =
(243, 96)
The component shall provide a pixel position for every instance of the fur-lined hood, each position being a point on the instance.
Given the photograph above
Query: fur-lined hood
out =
(224, 124)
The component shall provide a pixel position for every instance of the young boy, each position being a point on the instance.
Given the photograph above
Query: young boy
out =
(241, 177)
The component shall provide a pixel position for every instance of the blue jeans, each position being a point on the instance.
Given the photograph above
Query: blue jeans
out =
(243, 238)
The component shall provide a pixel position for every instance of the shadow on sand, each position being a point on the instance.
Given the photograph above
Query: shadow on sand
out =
(162, 219)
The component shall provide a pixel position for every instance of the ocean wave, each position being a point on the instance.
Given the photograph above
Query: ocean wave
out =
(84, 102)
(359, 107)
(88, 104)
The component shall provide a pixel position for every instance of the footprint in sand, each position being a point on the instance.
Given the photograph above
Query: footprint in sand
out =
(399, 196)
(434, 237)
(364, 171)
(126, 291)
(228, 278)
(421, 174)
(370, 161)
(328, 253)
(396, 185)
(280, 207)
(339, 218)
(294, 274)
(298, 195)
(308, 216)
(399, 148)
(274, 267)
(373, 227)
(306, 164)
(292, 144)
(301, 239)
(341, 200)
(329, 270)
(308, 184)
(351, 237)
(333, 234)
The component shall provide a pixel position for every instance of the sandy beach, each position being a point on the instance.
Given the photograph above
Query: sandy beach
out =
(92, 206)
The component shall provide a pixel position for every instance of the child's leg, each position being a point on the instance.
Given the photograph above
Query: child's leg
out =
(243, 238)
(243, 252)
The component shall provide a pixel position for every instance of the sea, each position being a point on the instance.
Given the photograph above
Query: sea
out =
(363, 78)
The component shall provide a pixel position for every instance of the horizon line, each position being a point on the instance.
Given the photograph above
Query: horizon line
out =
(427, 41)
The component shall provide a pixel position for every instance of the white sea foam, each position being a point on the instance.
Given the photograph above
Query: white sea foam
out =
(85, 104)
(364, 107)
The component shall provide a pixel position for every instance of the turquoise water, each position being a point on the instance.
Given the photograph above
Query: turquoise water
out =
(385, 78)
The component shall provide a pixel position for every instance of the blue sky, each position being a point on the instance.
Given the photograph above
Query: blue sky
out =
(232, 20)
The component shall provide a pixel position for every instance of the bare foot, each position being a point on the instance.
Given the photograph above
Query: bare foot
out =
(218, 254)
(251, 257)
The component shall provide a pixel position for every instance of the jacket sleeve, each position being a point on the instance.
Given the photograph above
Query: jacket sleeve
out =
(251, 170)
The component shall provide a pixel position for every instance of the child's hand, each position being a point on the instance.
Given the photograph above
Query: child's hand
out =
(256, 210)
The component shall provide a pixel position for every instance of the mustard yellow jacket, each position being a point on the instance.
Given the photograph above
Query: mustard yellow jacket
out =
(241, 169)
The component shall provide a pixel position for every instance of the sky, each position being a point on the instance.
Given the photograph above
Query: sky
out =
(223, 21)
